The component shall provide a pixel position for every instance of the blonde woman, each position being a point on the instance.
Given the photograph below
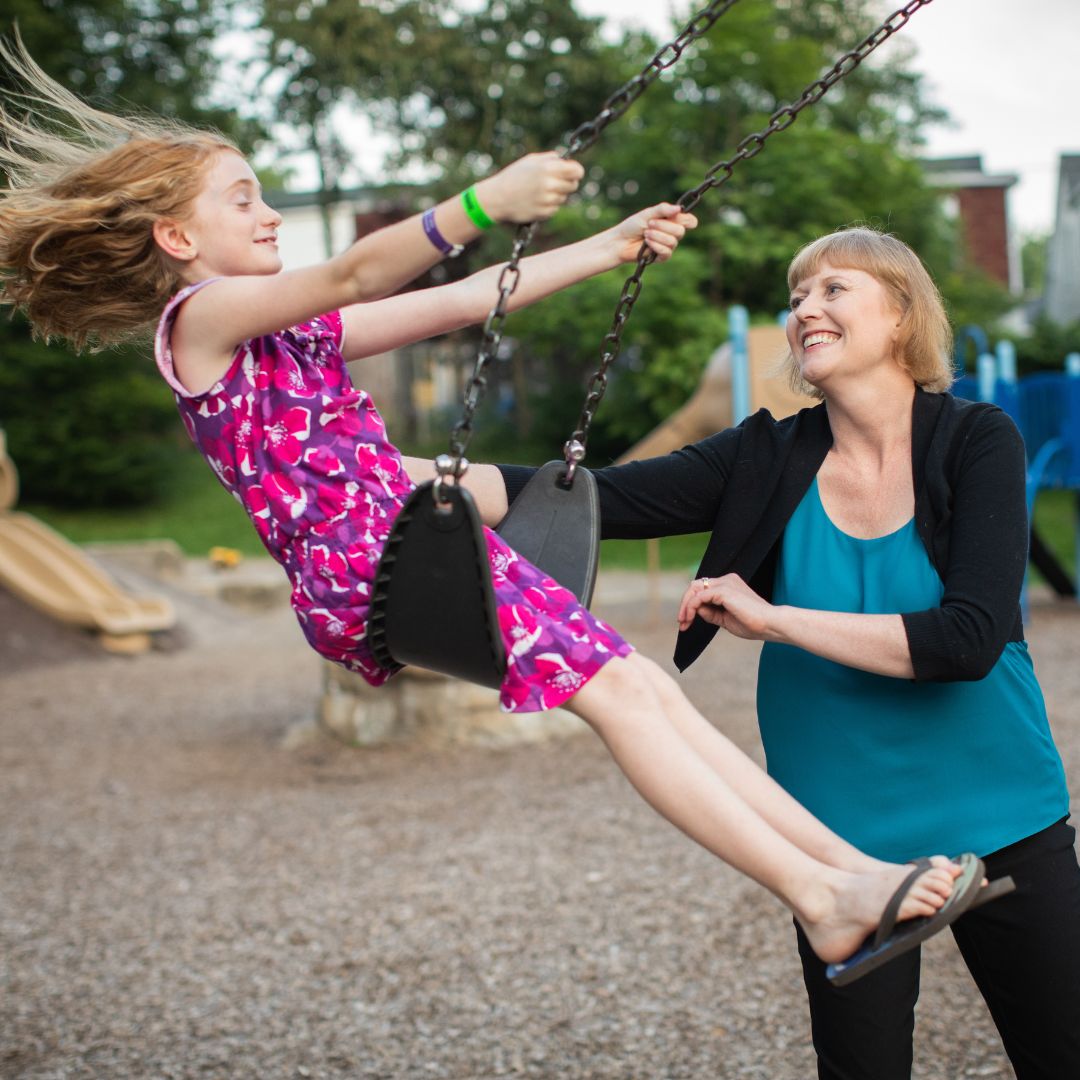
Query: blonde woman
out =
(876, 544)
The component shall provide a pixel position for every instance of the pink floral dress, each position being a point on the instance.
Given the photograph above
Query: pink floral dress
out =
(306, 454)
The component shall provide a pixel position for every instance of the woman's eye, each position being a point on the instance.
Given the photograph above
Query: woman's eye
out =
(794, 302)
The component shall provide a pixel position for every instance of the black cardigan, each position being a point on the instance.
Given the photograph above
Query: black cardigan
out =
(744, 483)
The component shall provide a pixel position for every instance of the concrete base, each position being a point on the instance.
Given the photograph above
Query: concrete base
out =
(418, 706)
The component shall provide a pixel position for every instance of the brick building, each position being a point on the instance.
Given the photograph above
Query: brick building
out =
(980, 201)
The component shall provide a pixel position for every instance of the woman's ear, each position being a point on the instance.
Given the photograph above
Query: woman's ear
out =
(173, 239)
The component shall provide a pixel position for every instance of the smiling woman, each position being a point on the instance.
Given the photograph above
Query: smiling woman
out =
(869, 263)
(876, 544)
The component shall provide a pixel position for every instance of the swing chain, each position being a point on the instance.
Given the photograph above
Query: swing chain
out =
(786, 115)
(749, 147)
(580, 139)
(489, 349)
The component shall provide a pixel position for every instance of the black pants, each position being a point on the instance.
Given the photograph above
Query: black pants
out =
(1023, 951)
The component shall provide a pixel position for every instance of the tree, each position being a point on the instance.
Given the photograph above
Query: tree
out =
(154, 55)
(100, 429)
(851, 157)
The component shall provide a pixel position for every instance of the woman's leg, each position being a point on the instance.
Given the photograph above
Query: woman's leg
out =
(863, 1031)
(836, 908)
(1023, 951)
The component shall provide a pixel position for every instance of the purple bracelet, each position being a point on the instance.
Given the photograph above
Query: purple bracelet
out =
(431, 230)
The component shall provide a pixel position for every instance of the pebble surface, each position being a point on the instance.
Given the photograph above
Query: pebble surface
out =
(185, 892)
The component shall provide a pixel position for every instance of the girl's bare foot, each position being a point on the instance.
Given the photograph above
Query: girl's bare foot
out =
(847, 907)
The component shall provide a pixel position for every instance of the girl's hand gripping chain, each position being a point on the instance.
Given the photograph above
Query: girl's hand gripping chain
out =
(661, 227)
(530, 189)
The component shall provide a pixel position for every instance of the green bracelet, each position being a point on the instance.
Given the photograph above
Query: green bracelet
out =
(475, 210)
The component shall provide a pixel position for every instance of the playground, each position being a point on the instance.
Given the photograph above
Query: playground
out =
(228, 855)
(196, 886)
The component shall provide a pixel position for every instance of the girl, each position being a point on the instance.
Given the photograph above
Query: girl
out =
(136, 221)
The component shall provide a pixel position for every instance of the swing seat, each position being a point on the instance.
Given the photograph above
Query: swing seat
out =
(433, 604)
(557, 528)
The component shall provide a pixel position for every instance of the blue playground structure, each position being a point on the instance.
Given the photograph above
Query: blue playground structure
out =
(1046, 408)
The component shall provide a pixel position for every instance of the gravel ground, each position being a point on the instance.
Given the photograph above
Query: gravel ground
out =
(186, 893)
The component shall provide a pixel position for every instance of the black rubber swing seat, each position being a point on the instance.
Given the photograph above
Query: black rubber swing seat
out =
(433, 605)
(557, 528)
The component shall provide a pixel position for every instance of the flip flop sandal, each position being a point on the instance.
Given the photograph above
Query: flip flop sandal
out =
(892, 938)
(1001, 886)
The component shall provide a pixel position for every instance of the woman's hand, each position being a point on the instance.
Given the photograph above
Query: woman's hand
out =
(728, 602)
(661, 227)
(530, 189)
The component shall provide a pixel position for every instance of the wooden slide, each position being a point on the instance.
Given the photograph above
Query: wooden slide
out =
(50, 573)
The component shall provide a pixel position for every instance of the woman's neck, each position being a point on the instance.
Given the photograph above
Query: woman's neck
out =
(872, 418)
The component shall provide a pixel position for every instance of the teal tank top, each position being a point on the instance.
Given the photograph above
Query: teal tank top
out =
(899, 768)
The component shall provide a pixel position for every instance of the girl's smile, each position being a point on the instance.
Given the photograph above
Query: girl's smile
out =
(233, 230)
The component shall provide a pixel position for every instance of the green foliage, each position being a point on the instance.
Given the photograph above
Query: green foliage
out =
(125, 55)
(1046, 347)
(972, 298)
(465, 89)
(194, 510)
(1033, 251)
(90, 430)
(672, 331)
(101, 429)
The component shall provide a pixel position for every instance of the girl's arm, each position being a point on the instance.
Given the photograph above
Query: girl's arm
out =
(401, 320)
(235, 309)
(483, 482)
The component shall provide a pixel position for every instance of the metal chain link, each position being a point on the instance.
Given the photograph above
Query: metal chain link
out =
(454, 463)
(750, 147)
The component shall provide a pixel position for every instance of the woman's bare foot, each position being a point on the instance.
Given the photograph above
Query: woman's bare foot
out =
(837, 916)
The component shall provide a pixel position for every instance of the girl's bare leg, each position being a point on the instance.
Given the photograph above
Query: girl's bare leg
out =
(836, 908)
(785, 813)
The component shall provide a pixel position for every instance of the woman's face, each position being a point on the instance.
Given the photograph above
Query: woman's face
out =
(843, 323)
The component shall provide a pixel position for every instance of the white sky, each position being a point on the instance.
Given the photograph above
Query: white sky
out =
(1008, 71)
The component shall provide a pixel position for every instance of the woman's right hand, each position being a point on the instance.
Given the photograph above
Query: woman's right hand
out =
(728, 602)
(530, 189)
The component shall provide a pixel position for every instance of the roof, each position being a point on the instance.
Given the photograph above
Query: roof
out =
(964, 172)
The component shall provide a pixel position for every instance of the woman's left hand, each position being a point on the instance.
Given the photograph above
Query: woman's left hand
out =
(661, 227)
(728, 602)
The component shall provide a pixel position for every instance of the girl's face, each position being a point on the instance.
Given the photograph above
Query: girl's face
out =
(233, 230)
(842, 322)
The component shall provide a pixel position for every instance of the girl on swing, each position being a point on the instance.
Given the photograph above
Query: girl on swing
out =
(121, 224)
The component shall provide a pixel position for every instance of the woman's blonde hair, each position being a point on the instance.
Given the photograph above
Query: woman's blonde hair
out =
(77, 251)
(924, 342)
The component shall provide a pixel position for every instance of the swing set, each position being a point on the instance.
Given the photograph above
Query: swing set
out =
(433, 604)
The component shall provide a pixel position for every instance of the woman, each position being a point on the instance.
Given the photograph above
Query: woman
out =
(877, 545)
